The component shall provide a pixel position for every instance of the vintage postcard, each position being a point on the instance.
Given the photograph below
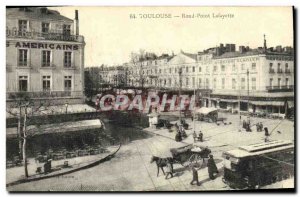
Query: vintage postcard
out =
(144, 99)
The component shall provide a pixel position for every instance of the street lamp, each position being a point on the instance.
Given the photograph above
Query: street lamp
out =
(66, 105)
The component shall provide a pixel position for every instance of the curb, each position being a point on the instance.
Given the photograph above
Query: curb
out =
(108, 157)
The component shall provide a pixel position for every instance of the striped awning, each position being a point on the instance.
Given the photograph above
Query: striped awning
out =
(58, 127)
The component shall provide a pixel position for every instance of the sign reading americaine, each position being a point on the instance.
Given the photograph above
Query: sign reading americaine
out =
(38, 45)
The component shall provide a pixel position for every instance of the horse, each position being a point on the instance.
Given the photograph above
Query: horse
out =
(161, 162)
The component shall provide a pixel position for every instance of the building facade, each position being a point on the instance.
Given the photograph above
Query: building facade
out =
(254, 80)
(44, 55)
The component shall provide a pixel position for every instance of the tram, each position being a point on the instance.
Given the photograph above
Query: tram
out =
(259, 164)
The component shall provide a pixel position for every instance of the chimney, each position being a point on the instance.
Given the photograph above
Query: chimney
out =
(279, 48)
(76, 23)
(241, 49)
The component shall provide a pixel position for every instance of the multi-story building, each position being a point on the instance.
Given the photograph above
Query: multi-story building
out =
(44, 55)
(259, 79)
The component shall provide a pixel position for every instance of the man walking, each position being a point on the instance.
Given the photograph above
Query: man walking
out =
(169, 170)
(212, 168)
(201, 136)
(195, 176)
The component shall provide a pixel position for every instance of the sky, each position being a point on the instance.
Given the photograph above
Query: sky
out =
(111, 35)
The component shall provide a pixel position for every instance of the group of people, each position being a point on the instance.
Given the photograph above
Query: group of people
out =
(199, 137)
(247, 125)
(211, 167)
(259, 127)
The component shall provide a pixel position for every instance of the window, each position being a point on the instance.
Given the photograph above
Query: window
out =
(271, 82)
(46, 58)
(243, 81)
(286, 66)
(253, 83)
(68, 83)
(223, 83)
(233, 68)
(170, 81)
(200, 82)
(187, 81)
(243, 66)
(23, 57)
(193, 68)
(233, 84)
(23, 83)
(68, 59)
(45, 27)
(215, 68)
(279, 82)
(287, 82)
(193, 79)
(215, 83)
(279, 68)
(200, 69)
(46, 83)
(67, 30)
(22, 26)
(223, 68)
(253, 66)
(187, 69)
(207, 83)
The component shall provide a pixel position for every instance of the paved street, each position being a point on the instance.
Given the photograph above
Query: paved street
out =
(131, 169)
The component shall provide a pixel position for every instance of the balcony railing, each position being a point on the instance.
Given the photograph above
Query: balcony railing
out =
(271, 70)
(44, 94)
(280, 88)
(288, 71)
(13, 33)
(279, 70)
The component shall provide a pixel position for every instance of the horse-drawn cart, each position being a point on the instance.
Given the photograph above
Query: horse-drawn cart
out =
(190, 154)
(183, 154)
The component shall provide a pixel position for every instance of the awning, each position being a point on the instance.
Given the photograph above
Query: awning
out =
(270, 103)
(55, 109)
(58, 128)
(206, 110)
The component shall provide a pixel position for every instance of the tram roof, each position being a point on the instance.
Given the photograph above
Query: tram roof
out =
(260, 148)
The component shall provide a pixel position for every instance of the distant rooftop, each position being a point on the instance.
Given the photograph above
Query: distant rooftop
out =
(39, 13)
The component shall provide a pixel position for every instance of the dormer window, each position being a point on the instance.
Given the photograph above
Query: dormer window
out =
(45, 27)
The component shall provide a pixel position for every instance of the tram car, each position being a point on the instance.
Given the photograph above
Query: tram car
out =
(253, 166)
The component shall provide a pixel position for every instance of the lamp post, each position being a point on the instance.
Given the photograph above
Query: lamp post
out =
(66, 105)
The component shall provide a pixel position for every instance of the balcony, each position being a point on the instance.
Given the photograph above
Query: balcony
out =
(271, 70)
(44, 95)
(287, 71)
(14, 33)
(287, 88)
(279, 70)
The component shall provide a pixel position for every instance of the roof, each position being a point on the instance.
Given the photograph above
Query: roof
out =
(237, 54)
(191, 55)
(260, 148)
(59, 127)
(36, 13)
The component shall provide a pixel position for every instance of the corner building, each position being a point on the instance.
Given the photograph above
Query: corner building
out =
(44, 55)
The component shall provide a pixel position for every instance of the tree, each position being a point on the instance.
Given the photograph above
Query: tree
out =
(24, 108)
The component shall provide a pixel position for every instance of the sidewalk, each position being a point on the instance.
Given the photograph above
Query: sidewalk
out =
(17, 173)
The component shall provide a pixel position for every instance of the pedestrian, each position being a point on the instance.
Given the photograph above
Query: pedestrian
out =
(192, 117)
(261, 126)
(169, 170)
(200, 136)
(195, 176)
(212, 168)
(195, 136)
(244, 124)
(257, 127)
(178, 137)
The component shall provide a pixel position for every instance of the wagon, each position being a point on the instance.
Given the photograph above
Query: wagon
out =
(190, 155)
